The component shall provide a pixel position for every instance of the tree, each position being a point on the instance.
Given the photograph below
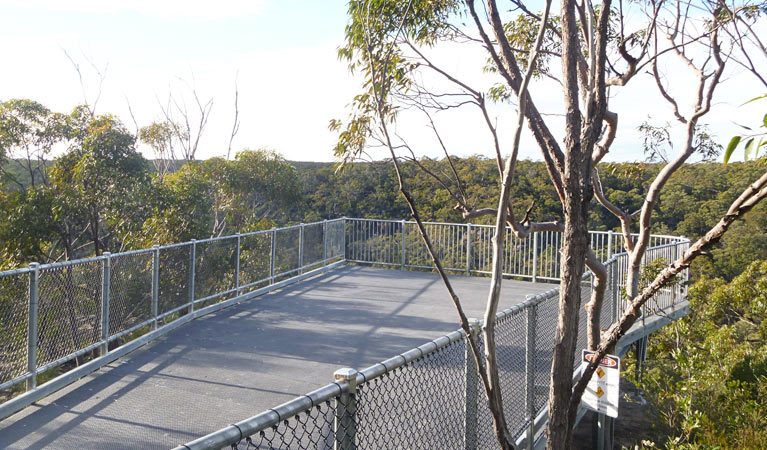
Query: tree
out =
(388, 43)
(28, 132)
(216, 196)
(99, 182)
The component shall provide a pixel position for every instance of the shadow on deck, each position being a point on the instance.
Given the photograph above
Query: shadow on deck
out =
(249, 357)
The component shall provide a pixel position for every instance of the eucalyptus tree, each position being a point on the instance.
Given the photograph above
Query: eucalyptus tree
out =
(600, 49)
(217, 196)
(98, 183)
(28, 133)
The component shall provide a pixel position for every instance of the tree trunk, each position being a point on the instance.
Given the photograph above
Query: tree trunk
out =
(572, 268)
(577, 194)
(594, 306)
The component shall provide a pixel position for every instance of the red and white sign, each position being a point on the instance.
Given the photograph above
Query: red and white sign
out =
(603, 391)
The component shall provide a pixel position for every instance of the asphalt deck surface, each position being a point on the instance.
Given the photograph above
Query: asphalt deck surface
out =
(252, 356)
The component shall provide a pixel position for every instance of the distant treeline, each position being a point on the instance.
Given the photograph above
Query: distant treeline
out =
(692, 202)
(260, 189)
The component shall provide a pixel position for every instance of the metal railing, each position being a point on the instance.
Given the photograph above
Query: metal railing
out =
(468, 247)
(430, 396)
(106, 306)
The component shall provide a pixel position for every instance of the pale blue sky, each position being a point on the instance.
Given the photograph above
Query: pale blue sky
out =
(291, 83)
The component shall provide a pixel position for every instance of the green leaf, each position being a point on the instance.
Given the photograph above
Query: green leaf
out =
(765, 121)
(730, 148)
(755, 99)
(749, 146)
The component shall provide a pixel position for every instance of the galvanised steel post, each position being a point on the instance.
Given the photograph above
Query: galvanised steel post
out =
(34, 292)
(403, 247)
(192, 262)
(272, 255)
(530, 318)
(343, 242)
(609, 244)
(345, 429)
(324, 242)
(472, 384)
(301, 249)
(617, 275)
(105, 288)
(468, 249)
(155, 284)
(535, 257)
(237, 269)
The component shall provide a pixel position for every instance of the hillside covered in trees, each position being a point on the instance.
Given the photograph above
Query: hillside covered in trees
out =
(101, 195)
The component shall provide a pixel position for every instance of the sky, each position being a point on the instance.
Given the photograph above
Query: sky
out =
(282, 54)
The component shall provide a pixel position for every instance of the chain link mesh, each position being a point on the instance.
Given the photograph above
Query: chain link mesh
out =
(130, 293)
(14, 289)
(310, 429)
(510, 339)
(313, 243)
(215, 266)
(286, 251)
(174, 277)
(255, 258)
(485, 435)
(545, 325)
(419, 405)
(69, 309)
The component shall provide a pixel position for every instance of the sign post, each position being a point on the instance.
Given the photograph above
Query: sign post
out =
(603, 391)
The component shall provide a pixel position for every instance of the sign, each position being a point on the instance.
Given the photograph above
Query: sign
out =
(603, 391)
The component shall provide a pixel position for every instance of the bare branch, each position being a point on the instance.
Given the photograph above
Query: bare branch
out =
(236, 124)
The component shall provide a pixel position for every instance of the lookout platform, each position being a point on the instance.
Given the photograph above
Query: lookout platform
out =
(241, 360)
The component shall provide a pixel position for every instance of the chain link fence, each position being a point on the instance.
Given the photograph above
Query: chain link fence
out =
(429, 397)
(432, 396)
(53, 314)
(14, 288)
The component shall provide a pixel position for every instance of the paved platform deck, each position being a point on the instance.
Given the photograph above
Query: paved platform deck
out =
(237, 362)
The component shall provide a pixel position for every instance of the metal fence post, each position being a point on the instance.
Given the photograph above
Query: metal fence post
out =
(345, 429)
(107, 274)
(192, 262)
(535, 257)
(530, 318)
(272, 255)
(616, 273)
(609, 244)
(324, 242)
(403, 245)
(472, 384)
(155, 284)
(34, 292)
(301, 249)
(237, 269)
(468, 249)
(344, 239)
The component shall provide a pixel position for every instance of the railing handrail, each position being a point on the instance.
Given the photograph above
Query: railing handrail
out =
(233, 434)
(534, 258)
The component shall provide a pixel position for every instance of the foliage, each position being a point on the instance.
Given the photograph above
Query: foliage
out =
(101, 179)
(707, 373)
(369, 49)
(28, 132)
(751, 146)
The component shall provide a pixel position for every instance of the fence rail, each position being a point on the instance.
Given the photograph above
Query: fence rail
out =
(54, 314)
(430, 396)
